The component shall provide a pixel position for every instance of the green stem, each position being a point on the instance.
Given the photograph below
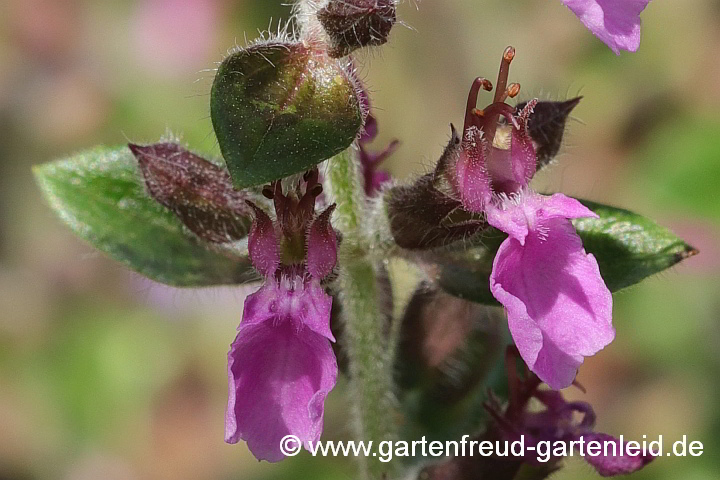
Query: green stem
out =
(347, 191)
(365, 329)
(371, 368)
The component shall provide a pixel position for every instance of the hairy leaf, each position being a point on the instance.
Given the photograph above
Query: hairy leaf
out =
(282, 108)
(100, 195)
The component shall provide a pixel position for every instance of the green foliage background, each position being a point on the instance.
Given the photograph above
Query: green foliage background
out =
(106, 375)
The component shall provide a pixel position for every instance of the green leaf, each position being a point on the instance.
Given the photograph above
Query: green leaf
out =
(100, 195)
(282, 108)
(628, 248)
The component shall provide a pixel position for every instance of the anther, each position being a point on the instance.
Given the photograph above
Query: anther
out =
(510, 92)
(509, 54)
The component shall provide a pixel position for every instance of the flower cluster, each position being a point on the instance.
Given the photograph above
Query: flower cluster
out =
(290, 105)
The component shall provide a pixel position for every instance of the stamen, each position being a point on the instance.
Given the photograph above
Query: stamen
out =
(508, 56)
(279, 200)
(510, 92)
(579, 386)
(501, 92)
(477, 84)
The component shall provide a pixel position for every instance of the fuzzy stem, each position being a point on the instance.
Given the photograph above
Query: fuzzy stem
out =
(371, 369)
(347, 191)
(365, 329)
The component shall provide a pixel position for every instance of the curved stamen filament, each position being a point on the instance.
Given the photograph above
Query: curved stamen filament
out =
(482, 118)
(477, 84)
(500, 92)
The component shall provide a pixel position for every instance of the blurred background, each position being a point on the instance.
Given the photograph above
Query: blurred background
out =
(106, 375)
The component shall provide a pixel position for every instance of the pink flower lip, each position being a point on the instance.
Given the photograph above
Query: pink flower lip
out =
(559, 309)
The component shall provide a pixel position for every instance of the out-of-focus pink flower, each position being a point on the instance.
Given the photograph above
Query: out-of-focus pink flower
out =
(173, 37)
(370, 161)
(558, 423)
(281, 365)
(615, 22)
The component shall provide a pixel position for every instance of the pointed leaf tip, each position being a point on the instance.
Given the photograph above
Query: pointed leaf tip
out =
(547, 127)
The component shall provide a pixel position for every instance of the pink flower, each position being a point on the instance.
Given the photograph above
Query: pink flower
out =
(559, 309)
(281, 365)
(173, 37)
(370, 161)
(615, 22)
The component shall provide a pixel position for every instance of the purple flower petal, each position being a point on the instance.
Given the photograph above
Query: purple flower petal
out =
(472, 180)
(279, 376)
(374, 178)
(615, 22)
(611, 465)
(523, 158)
(262, 243)
(559, 309)
(562, 206)
(304, 303)
(322, 245)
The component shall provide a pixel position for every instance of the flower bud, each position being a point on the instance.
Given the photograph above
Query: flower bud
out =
(353, 24)
(280, 108)
(196, 190)
(423, 217)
